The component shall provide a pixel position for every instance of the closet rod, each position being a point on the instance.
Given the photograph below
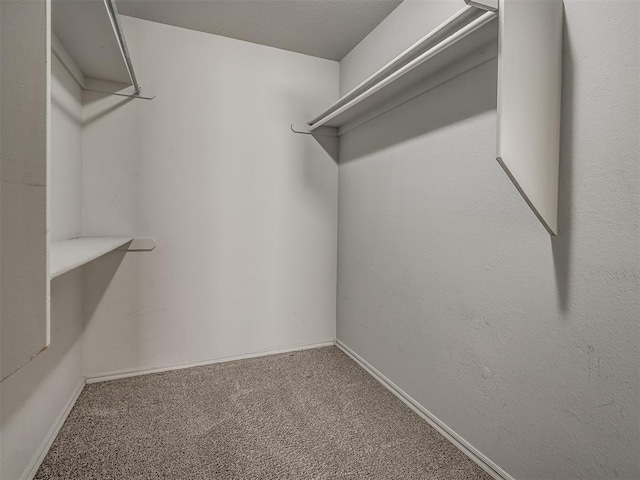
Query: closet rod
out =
(115, 18)
(463, 16)
(432, 52)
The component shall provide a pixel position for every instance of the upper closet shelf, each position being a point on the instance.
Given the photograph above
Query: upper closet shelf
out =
(466, 32)
(93, 42)
(527, 39)
(66, 255)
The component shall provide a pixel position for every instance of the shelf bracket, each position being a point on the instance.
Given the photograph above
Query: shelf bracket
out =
(305, 129)
(139, 244)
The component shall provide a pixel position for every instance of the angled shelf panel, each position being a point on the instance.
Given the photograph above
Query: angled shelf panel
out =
(529, 102)
(66, 255)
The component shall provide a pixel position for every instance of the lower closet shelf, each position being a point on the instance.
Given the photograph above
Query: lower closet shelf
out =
(66, 255)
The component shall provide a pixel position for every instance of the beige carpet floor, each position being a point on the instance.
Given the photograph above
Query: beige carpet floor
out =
(313, 414)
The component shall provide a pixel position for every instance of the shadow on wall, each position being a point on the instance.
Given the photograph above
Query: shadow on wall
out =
(316, 168)
(66, 111)
(68, 322)
(312, 168)
(465, 96)
(106, 111)
(561, 244)
(329, 144)
(103, 271)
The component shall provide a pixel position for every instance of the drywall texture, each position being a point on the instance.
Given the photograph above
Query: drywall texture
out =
(244, 212)
(526, 346)
(33, 397)
(24, 95)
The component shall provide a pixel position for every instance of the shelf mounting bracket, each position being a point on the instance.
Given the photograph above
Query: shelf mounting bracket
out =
(305, 129)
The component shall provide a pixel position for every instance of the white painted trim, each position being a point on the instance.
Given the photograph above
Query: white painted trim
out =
(465, 447)
(115, 375)
(44, 447)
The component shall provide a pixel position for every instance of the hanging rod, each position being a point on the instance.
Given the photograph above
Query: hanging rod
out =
(115, 19)
(432, 52)
(460, 25)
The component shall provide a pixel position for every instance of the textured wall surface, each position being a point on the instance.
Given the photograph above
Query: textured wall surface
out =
(244, 212)
(526, 346)
(24, 119)
(33, 397)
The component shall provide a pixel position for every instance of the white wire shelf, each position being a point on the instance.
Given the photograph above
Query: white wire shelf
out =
(464, 33)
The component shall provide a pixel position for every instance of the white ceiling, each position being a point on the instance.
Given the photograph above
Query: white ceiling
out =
(322, 28)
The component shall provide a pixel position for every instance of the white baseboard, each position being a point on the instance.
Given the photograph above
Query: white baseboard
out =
(133, 372)
(469, 450)
(44, 447)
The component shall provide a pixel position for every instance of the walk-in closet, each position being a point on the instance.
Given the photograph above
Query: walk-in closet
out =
(320, 239)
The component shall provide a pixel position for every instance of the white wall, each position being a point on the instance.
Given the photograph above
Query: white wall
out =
(32, 398)
(24, 133)
(526, 346)
(244, 212)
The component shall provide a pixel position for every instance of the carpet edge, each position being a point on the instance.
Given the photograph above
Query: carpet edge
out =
(465, 447)
(135, 372)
